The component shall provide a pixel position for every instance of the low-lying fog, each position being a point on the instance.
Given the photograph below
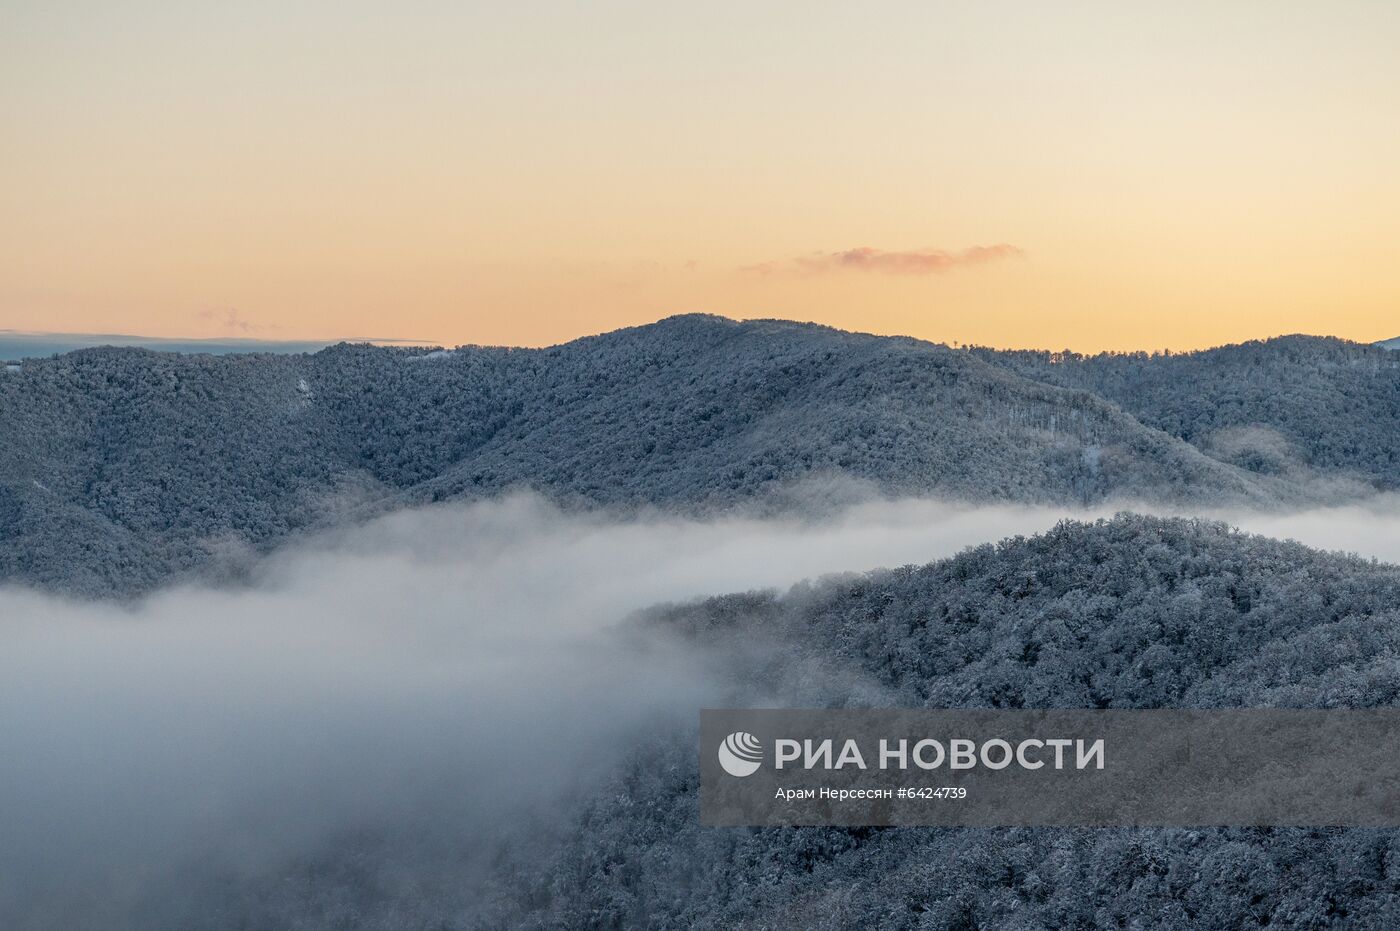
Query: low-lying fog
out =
(436, 672)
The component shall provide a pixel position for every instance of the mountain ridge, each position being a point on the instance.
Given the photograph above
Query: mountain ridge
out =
(1301, 407)
(152, 463)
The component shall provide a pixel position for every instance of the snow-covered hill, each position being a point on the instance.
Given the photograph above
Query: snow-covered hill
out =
(150, 460)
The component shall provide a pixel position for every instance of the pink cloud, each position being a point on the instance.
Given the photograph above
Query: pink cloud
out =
(913, 262)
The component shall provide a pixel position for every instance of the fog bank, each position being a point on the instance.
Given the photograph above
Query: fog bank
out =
(438, 673)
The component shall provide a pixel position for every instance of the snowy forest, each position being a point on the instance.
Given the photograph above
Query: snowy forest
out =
(123, 468)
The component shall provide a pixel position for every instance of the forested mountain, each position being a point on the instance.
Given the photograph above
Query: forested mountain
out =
(1131, 613)
(1315, 409)
(121, 466)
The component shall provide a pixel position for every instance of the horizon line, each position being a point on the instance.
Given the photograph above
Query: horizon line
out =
(89, 340)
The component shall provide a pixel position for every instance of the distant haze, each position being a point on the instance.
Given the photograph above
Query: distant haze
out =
(17, 345)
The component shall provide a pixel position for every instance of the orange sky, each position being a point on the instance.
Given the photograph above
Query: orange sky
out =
(1091, 175)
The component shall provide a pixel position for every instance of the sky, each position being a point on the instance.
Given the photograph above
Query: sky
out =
(1084, 175)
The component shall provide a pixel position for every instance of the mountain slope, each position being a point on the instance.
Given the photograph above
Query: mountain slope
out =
(181, 456)
(1310, 408)
(1131, 613)
(702, 409)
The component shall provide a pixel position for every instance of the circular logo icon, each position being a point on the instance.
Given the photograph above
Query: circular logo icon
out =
(740, 754)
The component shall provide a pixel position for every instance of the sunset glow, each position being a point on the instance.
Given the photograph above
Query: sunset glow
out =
(1091, 175)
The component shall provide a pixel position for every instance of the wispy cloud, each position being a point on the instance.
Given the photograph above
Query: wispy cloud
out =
(908, 262)
(232, 320)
